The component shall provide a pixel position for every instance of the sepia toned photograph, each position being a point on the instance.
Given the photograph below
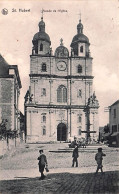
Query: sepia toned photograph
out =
(59, 97)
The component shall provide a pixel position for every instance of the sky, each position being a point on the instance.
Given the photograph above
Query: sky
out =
(101, 25)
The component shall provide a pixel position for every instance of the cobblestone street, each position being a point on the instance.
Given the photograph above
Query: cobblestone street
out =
(19, 171)
(64, 183)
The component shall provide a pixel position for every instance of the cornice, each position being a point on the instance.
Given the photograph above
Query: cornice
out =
(53, 56)
(58, 76)
(55, 106)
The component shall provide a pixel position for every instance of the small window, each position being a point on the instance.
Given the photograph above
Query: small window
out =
(80, 131)
(79, 93)
(44, 68)
(81, 49)
(114, 113)
(44, 118)
(44, 131)
(79, 118)
(41, 47)
(79, 69)
(43, 92)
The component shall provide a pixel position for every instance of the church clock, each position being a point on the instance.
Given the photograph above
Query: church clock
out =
(61, 66)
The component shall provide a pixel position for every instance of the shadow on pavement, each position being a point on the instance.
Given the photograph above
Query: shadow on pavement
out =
(64, 183)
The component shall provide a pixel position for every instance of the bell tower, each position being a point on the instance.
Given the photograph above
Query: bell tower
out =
(41, 40)
(80, 43)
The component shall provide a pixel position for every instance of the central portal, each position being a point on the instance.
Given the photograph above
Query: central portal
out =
(61, 132)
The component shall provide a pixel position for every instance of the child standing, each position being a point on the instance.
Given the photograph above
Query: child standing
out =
(99, 158)
(42, 163)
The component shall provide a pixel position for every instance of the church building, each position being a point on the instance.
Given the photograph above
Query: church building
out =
(60, 103)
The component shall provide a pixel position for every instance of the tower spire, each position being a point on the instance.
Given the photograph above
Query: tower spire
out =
(80, 16)
(80, 25)
(42, 14)
(61, 42)
(42, 23)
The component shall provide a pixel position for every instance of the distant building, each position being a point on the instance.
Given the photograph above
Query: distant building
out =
(104, 133)
(10, 85)
(114, 123)
(60, 102)
(114, 117)
(110, 132)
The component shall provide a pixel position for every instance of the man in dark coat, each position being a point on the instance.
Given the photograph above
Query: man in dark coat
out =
(75, 156)
(42, 163)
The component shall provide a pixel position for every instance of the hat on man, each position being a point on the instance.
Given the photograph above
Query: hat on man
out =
(40, 151)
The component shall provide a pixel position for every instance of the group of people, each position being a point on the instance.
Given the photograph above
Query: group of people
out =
(98, 158)
(44, 165)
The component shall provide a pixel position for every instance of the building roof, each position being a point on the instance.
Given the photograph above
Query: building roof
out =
(15, 67)
(4, 70)
(4, 66)
(80, 38)
(41, 36)
(117, 102)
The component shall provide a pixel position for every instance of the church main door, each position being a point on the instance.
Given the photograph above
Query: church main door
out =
(61, 132)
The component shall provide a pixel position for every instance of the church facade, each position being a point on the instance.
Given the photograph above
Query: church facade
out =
(60, 102)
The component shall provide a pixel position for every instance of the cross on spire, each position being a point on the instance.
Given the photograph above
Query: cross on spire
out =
(61, 42)
(79, 16)
(42, 14)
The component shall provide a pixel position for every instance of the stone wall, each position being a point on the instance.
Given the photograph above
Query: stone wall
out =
(7, 101)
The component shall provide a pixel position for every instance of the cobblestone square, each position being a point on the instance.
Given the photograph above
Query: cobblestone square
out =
(19, 171)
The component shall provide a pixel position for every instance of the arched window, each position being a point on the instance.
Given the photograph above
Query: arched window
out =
(44, 118)
(44, 130)
(80, 119)
(81, 49)
(79, 69)
(41, 47)
(44, 67)
(79, 93)
(79, 130)
(62, 94)
(43, 91)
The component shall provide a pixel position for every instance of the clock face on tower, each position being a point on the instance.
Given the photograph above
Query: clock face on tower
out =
(61, 66)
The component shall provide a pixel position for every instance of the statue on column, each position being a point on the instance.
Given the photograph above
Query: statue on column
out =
(28, 97)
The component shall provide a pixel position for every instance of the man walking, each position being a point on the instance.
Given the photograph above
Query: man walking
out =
(75, 156)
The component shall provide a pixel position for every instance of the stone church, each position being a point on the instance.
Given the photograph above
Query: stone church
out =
(60, 103)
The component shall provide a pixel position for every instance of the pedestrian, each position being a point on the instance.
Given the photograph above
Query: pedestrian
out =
(75, 156)
(42, 164)
(84, 144)
(99, 158)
